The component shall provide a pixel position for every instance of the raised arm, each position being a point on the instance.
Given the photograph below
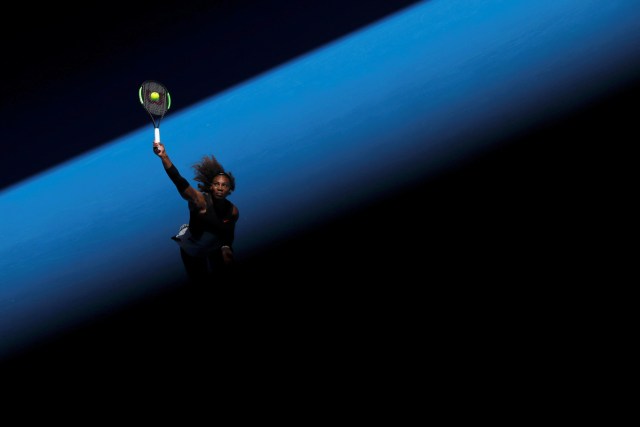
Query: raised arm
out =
(186, 191)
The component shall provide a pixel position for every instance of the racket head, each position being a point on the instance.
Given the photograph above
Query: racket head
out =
(158, 107)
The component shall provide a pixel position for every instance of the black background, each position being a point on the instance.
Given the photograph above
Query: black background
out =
(509, 223)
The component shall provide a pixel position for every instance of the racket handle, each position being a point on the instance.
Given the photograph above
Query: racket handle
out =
(156, 134)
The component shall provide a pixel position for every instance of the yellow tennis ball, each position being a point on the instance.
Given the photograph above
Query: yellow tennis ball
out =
(154, 96)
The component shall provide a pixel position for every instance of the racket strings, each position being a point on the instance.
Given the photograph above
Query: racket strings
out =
(156, 107)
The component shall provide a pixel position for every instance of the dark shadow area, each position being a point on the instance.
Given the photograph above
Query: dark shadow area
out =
(73, 77)
(506, 230)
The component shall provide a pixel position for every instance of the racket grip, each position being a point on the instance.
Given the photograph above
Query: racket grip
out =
(156, 134)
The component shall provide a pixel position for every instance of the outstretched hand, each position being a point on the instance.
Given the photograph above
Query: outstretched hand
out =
(158, 148)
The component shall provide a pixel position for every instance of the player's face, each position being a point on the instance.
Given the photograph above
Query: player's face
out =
(221, 186)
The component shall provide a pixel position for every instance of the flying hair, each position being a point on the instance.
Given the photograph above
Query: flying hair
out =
(207, 169)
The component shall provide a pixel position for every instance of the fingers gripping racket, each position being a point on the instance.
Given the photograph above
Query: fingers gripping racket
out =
(155, 98)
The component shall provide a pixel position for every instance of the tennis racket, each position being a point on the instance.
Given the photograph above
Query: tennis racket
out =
(155, 98)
